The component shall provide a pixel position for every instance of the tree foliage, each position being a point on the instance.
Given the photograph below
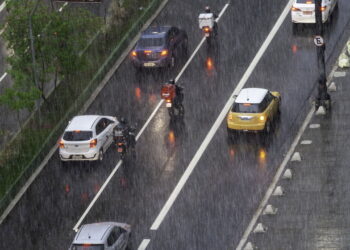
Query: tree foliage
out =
(58, 39)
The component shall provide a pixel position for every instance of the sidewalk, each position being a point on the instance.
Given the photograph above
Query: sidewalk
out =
(314, 211)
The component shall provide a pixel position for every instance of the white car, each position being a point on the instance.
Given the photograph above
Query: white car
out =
(87, 137)
(103, 236)
(303, 11)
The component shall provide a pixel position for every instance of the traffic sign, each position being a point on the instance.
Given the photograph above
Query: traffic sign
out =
(318, 40)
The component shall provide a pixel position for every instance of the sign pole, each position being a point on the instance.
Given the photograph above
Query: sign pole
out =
(323, 98)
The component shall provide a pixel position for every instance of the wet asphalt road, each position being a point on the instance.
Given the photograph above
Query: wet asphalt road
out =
(224, 190)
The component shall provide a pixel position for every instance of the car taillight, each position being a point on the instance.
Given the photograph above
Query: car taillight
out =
(323, 8)
(168, 100)
(262, 118)
(61, 144)
(133, 53)
(147, 52)
(295, 9)
(120, 144)
(93, 143)
(230, 117)
(164, 52)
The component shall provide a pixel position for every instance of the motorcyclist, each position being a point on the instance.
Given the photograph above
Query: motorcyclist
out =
(126, 131)
(178, 92)
(208, 10)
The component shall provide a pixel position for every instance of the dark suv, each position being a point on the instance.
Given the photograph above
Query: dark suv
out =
(159, 47)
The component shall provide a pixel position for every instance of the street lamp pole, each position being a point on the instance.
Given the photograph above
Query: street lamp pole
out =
(323, 97)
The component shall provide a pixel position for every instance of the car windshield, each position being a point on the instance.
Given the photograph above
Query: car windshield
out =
(77, 135)
(87, 247)
(246, 108)
(151, 42)
(305, 1)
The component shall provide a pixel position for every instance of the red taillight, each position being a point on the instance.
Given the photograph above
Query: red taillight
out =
(168, 100)
(133, 53)
(61, 144)
(164, 52)
(295, 9)
(93, 143)
(323, 8)
(206, 29)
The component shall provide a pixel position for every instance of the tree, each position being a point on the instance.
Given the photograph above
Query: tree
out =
(58, 37)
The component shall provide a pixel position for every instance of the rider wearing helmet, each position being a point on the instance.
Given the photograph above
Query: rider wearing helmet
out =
(208, 10)
(178, 91)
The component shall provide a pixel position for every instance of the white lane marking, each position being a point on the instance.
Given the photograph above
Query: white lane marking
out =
(97, 196)
(275, 180)
(137, 137)
(314, 126)
(2, 6)
(64, 5)
(3, 76)
(218, 121)
(143, 244)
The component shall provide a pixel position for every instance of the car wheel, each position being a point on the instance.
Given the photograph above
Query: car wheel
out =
(100, 156)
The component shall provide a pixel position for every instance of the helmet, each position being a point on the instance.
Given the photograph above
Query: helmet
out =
(122, 120)
(207, 9)
(172, 81)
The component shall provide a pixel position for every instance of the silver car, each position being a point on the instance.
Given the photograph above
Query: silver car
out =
(103, 236)
(87, 137)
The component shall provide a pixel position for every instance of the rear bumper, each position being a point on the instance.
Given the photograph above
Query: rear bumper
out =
(90, 156)
(300, 18)
(245, 127)
(160, 63)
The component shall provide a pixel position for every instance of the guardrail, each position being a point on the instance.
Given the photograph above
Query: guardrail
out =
(51, 139)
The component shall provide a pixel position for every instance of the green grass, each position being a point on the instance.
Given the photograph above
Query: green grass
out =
(20, 158)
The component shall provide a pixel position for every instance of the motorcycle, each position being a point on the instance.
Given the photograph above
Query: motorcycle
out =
(208, 26)
(173, 100)
(124, 143)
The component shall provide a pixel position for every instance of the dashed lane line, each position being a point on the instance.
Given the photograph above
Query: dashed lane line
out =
(144, 244)
(218, 121)
(3, 76)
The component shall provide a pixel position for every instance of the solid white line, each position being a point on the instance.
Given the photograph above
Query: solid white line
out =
(2, 6)
(218, 122)
(3, 76)
(144, 244)
(76, 227)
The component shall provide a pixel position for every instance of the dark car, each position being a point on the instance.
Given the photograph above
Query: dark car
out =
(159, 47)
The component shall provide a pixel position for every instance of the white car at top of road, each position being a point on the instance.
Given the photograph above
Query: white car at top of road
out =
(87, 137)
(303, 11)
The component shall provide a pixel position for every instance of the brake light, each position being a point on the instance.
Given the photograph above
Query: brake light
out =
(164, 52)
(93, 143)
(120, 144)
(133, 53)
(247, 104)
(308, 2)
(262, 118)
(295, 9)
(147, 52)
(168, 100)
(323, 8)
(61, 144)
(206, 29)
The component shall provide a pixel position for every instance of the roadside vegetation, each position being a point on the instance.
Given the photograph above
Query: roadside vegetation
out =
(74, 49)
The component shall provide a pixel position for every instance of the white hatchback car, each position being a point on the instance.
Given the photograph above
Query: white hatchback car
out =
(87, 137)
(303, 11)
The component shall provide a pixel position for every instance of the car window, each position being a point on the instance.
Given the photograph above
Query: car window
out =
(246, 108)
(101, 125)
(114, 236)
(77, 135)
(87, 247)
(151, 42)
(305, 1)
(264, 103)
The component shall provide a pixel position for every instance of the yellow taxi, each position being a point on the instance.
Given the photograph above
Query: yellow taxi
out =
(254, 109)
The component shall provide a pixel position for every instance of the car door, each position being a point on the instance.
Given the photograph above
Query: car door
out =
(109, 132)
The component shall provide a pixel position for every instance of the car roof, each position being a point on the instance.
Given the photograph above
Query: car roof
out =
(95, 233)
(155, 31)
(251, 95)
(82, 122)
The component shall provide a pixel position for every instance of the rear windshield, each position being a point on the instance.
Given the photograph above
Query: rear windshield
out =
(77, 135)
(87, 247)
(305, 1)
(246, 108)
(151, 42)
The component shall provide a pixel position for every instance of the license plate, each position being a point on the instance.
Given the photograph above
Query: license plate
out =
(207, 34)
(168, 104)
(120, 150)
(307, 12)
(149, 64)
(77, 157)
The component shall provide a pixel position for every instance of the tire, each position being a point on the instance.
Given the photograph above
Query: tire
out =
(100, 156)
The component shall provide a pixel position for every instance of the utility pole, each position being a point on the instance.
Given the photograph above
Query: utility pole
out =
(323, 98)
